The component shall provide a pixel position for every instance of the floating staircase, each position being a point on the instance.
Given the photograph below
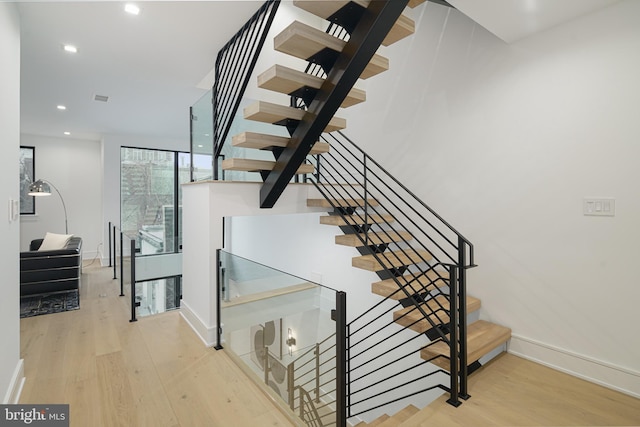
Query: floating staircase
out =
(412, 276)
(317, 47)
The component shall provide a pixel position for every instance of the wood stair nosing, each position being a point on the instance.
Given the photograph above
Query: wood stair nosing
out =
(482, 337)
(341, 203)
(354, 220)
(261, 141)
(268, 112)
(382, 418)
(372, 238)
(303, 41)
(411, 318)
(402, 28)
(415, 3)
(390, 260)
(388, 288)
(251, 165)
(401, 416)
(285, 80)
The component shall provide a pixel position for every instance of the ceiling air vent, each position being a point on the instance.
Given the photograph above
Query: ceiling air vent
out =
(100, 98)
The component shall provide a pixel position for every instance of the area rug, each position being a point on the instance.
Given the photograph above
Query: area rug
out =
(49, 303)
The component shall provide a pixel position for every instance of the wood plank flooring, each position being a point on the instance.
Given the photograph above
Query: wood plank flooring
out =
(156, 372)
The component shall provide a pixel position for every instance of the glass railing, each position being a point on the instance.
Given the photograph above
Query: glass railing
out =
(281, 328)
(157, 280)
(202, 138)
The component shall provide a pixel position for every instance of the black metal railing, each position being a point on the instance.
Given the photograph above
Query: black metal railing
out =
(234, 66)
(423, 256)
(312, 383)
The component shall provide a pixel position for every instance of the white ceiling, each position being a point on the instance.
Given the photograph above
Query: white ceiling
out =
(150, 65)
(512, 20)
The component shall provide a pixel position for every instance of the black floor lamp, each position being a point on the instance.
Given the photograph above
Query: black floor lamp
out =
(43, 188)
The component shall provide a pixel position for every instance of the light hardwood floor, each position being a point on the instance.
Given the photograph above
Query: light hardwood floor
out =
(156, 372)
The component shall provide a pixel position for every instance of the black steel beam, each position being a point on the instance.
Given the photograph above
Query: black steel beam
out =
(365, 40)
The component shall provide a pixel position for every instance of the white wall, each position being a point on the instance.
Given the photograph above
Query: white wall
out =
(11, 371)
(111, 145)
(505, 141)
(74, 167)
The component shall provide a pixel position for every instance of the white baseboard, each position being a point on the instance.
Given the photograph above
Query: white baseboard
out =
(208, 334)
(603, 373)
(16, 384)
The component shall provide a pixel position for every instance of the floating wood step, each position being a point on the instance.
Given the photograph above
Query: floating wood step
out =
(268, 112)
(341, 203)
(340, 221)
(390, 259)
(373, 238)
(250, 165)
(262, 141)
(403, 27)
(285, 80)
(482, 337)
(427, 281)
(414, 3)
(399, 417)
(303, 41)
(411, 318)
(375, 423)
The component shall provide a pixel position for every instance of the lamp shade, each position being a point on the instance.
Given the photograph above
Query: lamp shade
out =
(39, 188)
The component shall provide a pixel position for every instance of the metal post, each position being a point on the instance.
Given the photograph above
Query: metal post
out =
(218, 345)
(290, 384)
(453, 335)
(121, 264)
(114, 252)
(341, 359)
(134, 304)
(317, 388)
(109, 235)
(462, 292)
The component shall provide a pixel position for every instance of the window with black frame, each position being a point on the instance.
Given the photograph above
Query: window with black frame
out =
(150, 197)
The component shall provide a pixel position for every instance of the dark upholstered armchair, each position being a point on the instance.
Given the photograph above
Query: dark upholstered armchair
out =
(51, 271)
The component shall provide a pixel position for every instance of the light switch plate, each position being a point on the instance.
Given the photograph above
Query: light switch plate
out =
(598, 206)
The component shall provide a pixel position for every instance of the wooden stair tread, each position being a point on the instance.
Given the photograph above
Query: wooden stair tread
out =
(382, 418)
(414, 3)
(343, 203)
(338, 220)
(411, 318)
(268, 112)
(402, 28)
(388, 287)
(286, 80)
(400, 416)
(390, 259)
(374, 238)
(262, 141)
(302, 41)
(251, 165)
(482, 337)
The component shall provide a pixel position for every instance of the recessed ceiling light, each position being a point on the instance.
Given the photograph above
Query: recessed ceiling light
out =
(67, 133)
(61, 107)
(70, 48)
(132, 9)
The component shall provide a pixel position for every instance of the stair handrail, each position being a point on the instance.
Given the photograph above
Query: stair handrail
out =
(455, 264)
(234, 66)
(315, 368)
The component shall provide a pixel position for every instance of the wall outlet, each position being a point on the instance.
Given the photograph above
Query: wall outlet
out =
(14, 210)
(599, 206)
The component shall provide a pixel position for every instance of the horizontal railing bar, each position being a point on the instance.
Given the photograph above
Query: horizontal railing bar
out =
(440, 386)
(390, 377)
(353, 369)
(434, 213)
